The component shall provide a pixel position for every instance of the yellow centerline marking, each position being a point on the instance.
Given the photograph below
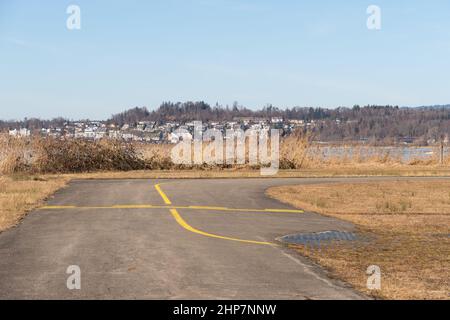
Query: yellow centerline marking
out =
(58, 207)
(132, 206)
(207, 208)
(284, 210)
(149, 206)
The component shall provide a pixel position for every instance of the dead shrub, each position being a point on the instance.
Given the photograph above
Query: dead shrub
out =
(50, 155)
(71, 156)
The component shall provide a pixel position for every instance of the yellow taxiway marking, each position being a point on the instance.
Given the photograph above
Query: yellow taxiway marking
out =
(179, 219)
(162, 194)
(207, 208)
(149, 206)
(58, 207)
(241, 210)
(188, 227)
(132, 206)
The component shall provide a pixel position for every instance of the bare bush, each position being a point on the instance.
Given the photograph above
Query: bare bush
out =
(49, 155)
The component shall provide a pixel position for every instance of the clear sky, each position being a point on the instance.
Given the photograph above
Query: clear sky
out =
(286, 52)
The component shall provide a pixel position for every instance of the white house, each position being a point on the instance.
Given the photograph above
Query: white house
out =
(22, 132)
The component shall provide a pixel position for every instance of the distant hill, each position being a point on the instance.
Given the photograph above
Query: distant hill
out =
(445, 106)
(368, 123)
(375, 123)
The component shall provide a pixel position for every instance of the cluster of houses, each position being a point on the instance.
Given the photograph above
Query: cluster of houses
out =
(155, 132)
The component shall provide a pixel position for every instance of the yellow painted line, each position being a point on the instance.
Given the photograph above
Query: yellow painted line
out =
(188, 227)
(284, 210)
(97, 207)
(174, 213)
(58, 207)
(82, 208)
(204, 208)
(138, 206)
(265, 210)
(240, 209)
(149, 206)
(162, 194)
(104, 207)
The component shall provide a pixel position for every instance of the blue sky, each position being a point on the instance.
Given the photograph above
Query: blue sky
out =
(286, 52)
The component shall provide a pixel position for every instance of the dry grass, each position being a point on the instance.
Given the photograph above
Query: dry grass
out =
(21, 194)
(254, 173)
(399, 197)
(48, 155)
(409, 227)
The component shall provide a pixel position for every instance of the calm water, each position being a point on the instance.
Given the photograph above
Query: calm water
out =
(404, 153)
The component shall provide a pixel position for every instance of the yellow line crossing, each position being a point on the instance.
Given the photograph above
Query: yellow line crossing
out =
(177, 216)
(188, 227)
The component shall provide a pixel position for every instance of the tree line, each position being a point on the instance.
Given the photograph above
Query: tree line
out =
(372, 122)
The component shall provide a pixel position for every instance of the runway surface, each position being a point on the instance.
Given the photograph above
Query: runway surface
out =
(166, 239)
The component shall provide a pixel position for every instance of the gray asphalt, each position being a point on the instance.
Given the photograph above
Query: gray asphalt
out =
(145, 253)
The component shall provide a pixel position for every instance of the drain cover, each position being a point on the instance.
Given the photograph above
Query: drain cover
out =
(317, 239)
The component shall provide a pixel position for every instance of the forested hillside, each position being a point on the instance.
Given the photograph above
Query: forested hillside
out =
(374, 123)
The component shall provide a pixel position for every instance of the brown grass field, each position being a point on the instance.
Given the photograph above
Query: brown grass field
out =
(21, 194)
(409, 227)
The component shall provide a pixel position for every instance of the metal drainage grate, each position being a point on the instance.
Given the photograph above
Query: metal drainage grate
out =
(318, 239)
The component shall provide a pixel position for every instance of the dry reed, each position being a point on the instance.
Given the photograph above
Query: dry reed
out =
(297, 151)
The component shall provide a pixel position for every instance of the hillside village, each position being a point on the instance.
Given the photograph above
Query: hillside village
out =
(157, 132)
(382, 125)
